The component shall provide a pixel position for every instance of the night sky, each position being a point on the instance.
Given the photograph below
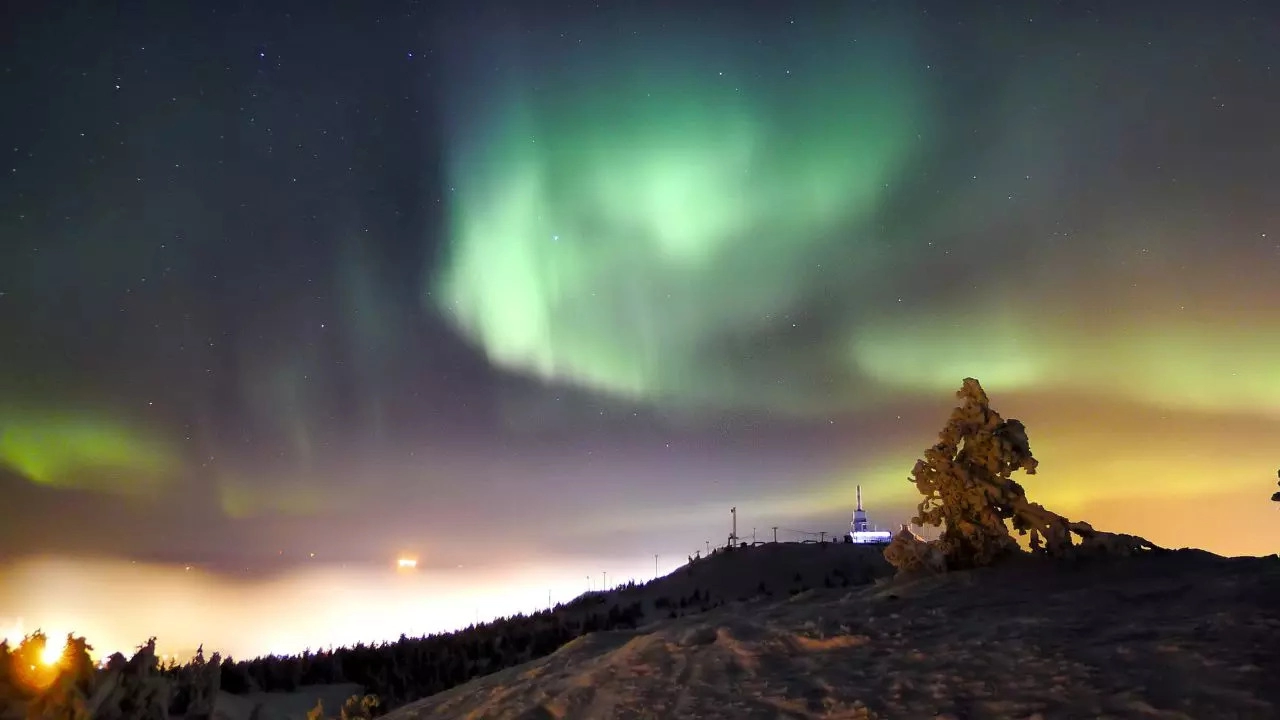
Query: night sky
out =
(525, 284)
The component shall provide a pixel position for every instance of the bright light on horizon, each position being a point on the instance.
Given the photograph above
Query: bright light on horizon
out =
(405, 563)
(15, 632)
(52, 653)
(116, 605)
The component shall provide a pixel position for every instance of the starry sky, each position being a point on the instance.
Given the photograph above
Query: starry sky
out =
(529, 284)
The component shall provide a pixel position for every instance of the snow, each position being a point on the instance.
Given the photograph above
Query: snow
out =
(1178, 635)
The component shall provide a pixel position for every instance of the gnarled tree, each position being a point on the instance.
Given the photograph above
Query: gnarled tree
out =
(967, 482)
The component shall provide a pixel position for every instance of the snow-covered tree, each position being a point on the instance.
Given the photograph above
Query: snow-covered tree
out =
(967, 482)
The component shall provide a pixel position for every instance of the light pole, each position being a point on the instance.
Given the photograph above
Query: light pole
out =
(655, 567)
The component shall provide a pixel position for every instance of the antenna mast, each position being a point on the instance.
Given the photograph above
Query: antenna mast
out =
(860, 515)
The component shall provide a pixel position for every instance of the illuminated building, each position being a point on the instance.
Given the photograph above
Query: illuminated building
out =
(861, 533)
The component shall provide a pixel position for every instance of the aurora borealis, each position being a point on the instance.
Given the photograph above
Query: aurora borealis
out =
(74, 452)
(603, 232)
(521, 285)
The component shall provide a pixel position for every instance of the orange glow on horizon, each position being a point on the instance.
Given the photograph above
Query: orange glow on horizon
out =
(116, 605)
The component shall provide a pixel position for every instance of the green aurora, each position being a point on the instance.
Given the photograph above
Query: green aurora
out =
(632, 232)
(84, 451)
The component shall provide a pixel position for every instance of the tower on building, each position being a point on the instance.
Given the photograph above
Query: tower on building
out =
(860, 531)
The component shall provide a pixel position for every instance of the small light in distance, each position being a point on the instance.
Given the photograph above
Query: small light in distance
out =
(406, 563)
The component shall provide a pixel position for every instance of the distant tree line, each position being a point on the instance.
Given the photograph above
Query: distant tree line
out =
(412, 668)
(391, 673)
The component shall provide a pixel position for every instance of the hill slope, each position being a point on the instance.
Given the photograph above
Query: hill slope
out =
(282, 705)
(1182, 635)
(771, 569)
